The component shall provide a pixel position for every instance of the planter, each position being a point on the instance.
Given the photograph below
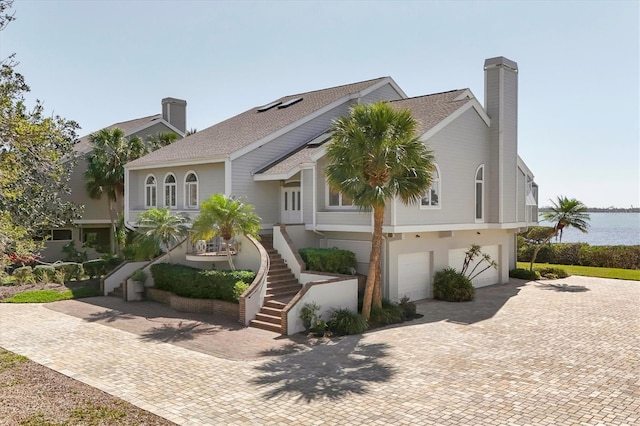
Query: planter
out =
(138, 286)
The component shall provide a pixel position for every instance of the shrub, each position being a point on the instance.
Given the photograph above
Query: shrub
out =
(200, 284)
(625, 257)
(139, 275)
(408, 308)
(309, 314)
(71, 270)
(344, 321)
(95, 268)
(552, 273)
(111, 262)
(44, 273)
(329, 260)
(23, 275)
(524, 274)
(452, 286)
(389, 313)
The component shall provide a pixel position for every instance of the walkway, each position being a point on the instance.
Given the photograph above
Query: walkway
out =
(563, 352)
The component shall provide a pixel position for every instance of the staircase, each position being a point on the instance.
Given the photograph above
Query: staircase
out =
(282, 285)
(118, 291)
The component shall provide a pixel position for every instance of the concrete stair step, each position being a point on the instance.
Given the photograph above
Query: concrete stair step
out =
(295, 287)
(268, 318)
(271, 311)
(275, 304)
(288, 295)
(265, 326)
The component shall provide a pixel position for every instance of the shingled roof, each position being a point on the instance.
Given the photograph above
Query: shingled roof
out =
(83, 145)
(250, 126)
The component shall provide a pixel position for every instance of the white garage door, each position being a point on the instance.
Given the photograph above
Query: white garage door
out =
(488, 277)
(414, 276)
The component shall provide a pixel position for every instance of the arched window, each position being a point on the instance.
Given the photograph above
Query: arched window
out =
(191, 191)
(480, 194)
(431, 197)
(170, 199)
(150, 191)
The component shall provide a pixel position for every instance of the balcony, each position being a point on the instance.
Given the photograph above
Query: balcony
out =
(214, 250)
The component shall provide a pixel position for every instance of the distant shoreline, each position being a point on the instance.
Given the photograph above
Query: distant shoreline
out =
(602, 210)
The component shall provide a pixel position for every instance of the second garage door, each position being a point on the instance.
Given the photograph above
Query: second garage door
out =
(488, 277)
(414, 275)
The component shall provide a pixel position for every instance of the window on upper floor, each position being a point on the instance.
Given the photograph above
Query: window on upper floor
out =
(431, 197)
(338, 200)
(150, 191)
(480, 193)
(191, 191)
(170, 188)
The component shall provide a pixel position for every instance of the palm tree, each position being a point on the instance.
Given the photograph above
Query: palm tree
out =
(227, 217)
(105, 167)
(565, 213)
(161, 140)
(374, 157)
(162, 227)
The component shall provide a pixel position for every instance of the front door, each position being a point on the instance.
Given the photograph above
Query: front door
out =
(291, 205)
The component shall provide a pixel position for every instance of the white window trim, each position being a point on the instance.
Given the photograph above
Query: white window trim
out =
(147, 204)
(439, 206)
(164, 190)
(475, 193)
(186, 192)
(340, 207)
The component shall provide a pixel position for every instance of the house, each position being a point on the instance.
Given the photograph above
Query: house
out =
(94, 227)
(274, 155)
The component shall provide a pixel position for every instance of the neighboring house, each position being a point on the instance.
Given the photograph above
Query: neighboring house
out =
(94, 227)
(274, 155)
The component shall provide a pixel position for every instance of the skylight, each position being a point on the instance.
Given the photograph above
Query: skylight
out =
(269, 106)
(319, 140)
(289, 103)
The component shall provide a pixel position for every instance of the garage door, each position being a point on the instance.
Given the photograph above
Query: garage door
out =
(488, 277)
(414, 275)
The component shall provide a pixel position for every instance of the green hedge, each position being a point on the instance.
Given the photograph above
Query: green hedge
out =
(95, 268)
(524, 274)
(452, 286)
(44, 273)
(185, 281)
(329, 260)
(624, 257)
(71, 270)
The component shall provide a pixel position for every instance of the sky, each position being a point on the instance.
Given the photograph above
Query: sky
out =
(102, 62)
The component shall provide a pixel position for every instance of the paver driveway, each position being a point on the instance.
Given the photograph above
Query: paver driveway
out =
(562, 352)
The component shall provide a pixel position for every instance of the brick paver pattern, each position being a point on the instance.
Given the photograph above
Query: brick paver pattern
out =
(557, 352)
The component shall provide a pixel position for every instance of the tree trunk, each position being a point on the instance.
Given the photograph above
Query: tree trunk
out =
(114, 236)
(374, 263)
(229, 259)
(535, 252)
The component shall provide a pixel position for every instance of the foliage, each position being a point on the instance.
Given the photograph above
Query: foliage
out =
(329, 260)
(589, 271)
(470, 257)
(388, 313)
(36, 158)
(227, 217)
(452, 286)
(46, 296)
(200, 284)
(111, 262)
(376, 155)
(408, 308)
(71, 270)
(139, 275)
(23, 275)
(72, 254)
(161, 140)
(536, 234)
(552, 272)
(95, 268)
(564, 213)
(623, 257)
(161, 227)
(309, 314)
(344, 322)
(524, 274)
(44, 273)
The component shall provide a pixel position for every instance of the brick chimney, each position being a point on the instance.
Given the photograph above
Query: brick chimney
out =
(175, 112)
(501, 104)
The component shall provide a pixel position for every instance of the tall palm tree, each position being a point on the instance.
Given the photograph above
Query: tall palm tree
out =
(162, 227)
(104, 176)
(374, 157)
(227, 217)
(565, 213)
(161, 140)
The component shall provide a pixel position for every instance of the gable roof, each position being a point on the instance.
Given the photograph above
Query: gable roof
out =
(238, 132)
(83, 145)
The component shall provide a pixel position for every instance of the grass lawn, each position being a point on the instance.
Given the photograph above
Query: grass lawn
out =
(590, 271)
(46, 296)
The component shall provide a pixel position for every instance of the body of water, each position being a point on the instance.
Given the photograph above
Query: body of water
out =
(606, 229)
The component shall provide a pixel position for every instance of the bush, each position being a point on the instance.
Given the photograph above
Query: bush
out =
(309, 314)
(452, 286)
(71, 270)
(408, 308)
(111, 262)
(389, 313)
(552, 273)
(95, 268)
(44, 273)
(344, 321)
(200, 284)
(624, 257)
(23, 275)
(331, 260)
(524, 274)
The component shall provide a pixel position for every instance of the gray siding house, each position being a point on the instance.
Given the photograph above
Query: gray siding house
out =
(274, 155)
(94, 225)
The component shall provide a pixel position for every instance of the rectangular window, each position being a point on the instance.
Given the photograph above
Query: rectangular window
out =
(192, 195)
(298, 200)
(61, 234)
(334, 198)
(478, 200)
(286, 201)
